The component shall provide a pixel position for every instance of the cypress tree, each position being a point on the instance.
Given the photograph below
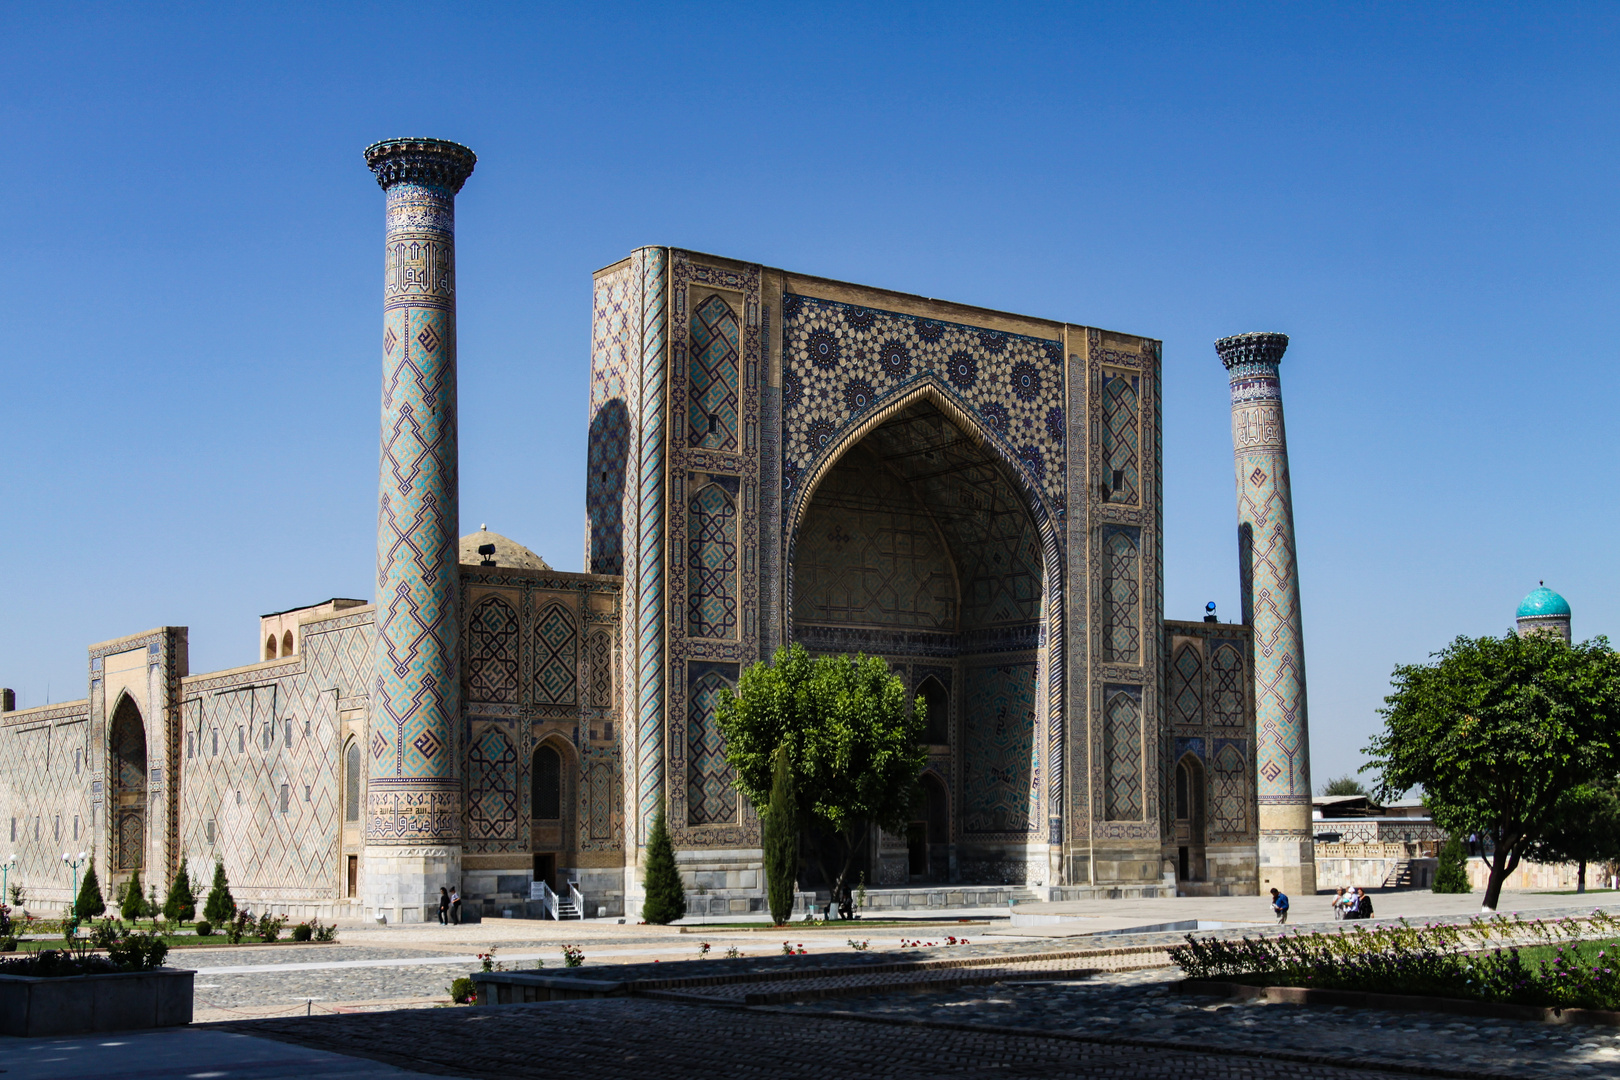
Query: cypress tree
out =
(181, 903)
(89, 903)
(220, 907)
(133, 902)
(1451, 870)
(781, 828)
(666, 896)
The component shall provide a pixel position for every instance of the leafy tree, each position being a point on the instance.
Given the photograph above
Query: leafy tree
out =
(220, 907)
(132, 904)
(89, 902)
(1585, 828)
(1344, 785)
(181, 903)
(1451, 869)
(855, 749)
(781, 838)
(666, 896)
(1496, 730)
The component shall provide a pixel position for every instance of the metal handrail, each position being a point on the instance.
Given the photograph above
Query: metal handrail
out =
(578, 898)
(539, 890)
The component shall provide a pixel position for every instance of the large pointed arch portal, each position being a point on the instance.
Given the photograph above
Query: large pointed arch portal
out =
(918, 538)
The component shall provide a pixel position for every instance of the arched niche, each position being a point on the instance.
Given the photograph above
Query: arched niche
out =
(126, 743)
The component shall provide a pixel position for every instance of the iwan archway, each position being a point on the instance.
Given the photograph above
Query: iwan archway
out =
(917, 543)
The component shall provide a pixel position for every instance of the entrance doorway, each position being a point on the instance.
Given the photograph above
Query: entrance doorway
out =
(545, 869)
(354, 876)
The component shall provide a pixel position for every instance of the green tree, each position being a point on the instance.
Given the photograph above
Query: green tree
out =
(1495, 731)
(132, 902)
(1344, 785)
(89, 903)
(181, 903)
(855, 748)
(781, 839)
(1451, 868)
(1585, 828)
(665, 899)
(220, 907)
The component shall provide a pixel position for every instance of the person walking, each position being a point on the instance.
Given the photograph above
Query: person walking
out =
(444, 905)
(1279, 904)
(455, 906)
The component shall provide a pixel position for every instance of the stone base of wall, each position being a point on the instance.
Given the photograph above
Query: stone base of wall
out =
(1536, 876)
(1144, 891)
(32, 1007)
(1372, 872)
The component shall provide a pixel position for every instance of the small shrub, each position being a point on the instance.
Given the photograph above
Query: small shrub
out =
(323, 932)
(302, 932)
(733, 953)
(573, 956)
(487, 959)
(181, 903)
(89, 904)
(1451, 869)
(240, 927)
(665, 899)
(220, 907)
(204, 928)
(132, 902)
(703, 950)
(859, 946)
(269, 926)
(462, 990)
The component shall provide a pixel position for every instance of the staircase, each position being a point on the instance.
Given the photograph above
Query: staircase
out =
(1400, 877)
(567, 909)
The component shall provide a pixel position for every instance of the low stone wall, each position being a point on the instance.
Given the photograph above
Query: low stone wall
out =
(1535, 876)
(31, 1007)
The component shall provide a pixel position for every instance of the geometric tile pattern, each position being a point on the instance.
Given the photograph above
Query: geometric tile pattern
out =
(492, 653)
(613, 349)
(600, 648)
(556, 656)
(1230, 794)
(649, 584)
(713, 380)
(1227, 690)
(1270, 576)
(1122, 595)
(414, 785)
(1121, 475)
(1122, 750)
(1000, 752)
(711, 793)
(840, 361)
(1186, 686)
(492, 778)
(711, 594)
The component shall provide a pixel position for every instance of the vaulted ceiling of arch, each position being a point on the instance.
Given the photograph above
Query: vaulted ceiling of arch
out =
(978, 509)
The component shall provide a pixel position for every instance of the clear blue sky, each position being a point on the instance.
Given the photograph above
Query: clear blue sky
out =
(1422, 196)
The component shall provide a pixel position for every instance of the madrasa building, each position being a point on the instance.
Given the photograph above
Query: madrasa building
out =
(973, 495)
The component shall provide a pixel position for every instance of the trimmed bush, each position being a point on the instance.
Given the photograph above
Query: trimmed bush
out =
(204, 928)
(132, 904)
(462, 991)
(1451, 870)
(89, 903)
(666, 896)
(302, 932)
(220, 907)
(781, 828)
(181, 903)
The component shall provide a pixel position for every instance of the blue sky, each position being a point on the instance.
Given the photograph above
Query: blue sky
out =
(1420, 195)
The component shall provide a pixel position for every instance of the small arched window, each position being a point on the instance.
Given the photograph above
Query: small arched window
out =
(351, 783)
(287, 644)
(547, 784)
(270, 647)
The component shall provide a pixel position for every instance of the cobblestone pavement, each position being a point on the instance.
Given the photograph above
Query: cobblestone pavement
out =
(619, 1037)
(1139, 1005)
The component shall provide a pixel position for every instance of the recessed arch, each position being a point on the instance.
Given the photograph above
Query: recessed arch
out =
(287, 643)
(270, 645)
(126, 743)
(353, 782)
(937, 699)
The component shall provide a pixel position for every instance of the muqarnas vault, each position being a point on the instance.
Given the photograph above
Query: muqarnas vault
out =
(973, 495)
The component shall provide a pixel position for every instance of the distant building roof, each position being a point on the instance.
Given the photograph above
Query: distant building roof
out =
(508, 553)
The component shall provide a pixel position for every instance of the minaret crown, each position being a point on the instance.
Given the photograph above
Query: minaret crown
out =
(1251, 349)
(423, 161)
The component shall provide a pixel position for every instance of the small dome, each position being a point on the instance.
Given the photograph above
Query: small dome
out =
(1544, 604)
(508, 553)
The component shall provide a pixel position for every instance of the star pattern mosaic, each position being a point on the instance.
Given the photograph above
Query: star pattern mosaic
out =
(840, 361)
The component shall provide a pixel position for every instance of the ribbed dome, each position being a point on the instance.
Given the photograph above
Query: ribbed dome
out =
(1544, 604)
(508, 553)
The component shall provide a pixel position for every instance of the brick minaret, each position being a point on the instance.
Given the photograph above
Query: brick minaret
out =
(413, 803)
(1270, 583)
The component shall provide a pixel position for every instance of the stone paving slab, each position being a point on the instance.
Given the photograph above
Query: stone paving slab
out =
(1139, 1005)
(623, 1037)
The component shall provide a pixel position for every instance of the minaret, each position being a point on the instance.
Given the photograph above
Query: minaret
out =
(1270, 584)
(413, 800)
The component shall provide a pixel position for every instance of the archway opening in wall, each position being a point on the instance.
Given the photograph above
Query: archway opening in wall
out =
(918, 545)
(551, 822)
(1189, 805)
(126, 739)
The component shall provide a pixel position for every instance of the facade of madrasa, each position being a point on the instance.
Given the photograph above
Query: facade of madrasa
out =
(973, 495)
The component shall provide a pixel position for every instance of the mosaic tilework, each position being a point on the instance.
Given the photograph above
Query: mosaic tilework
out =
(1210, 718)
(1271, 576)
(600, 648)
(1121, 480)
(492, 653)
(1000, 793)
(840, 360)
(711, 587)
(649, 591)
(49, 797)
(414, 785)
(1186, 686)
(1122, 594)
(712, 377)
(556, 669)
(1226, 699)
(492, 787)
(1122, 750)
(615, 348)
(126, 773)
(711, 794)
(1229, 795)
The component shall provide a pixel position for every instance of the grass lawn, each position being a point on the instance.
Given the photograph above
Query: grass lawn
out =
(1533, 955)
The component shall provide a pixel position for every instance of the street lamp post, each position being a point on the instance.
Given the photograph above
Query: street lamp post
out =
(5, 891)
(73, 903)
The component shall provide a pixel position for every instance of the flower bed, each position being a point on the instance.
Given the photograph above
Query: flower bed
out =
(112, 981)
(1512, 961)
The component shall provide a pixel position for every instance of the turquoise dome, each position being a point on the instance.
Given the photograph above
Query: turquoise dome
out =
(1545, 604)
